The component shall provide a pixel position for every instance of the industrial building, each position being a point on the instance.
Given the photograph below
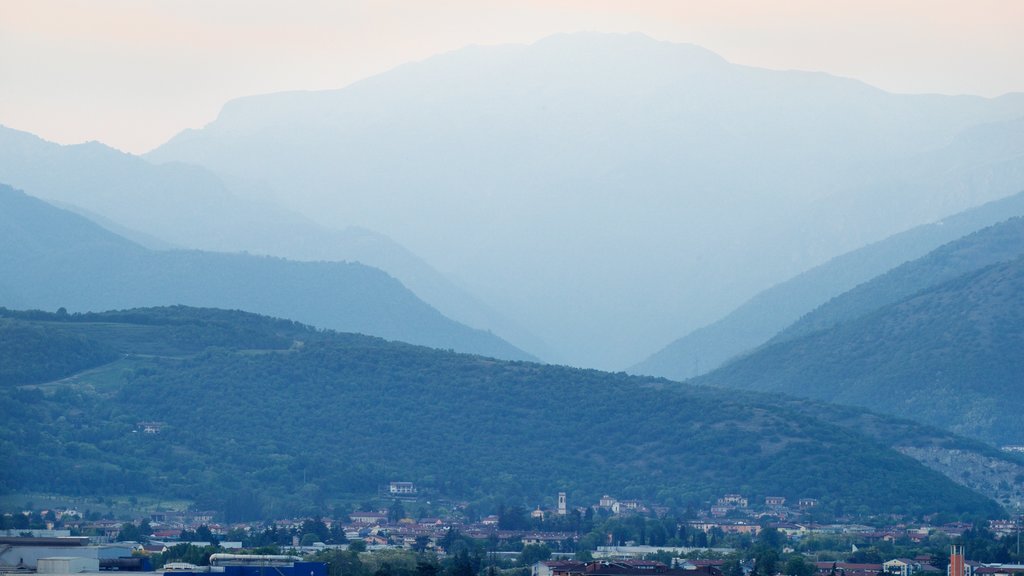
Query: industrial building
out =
(72, 555)
(23, 554)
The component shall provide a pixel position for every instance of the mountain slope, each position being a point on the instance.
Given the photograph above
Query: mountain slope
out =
(997, 243)
(51, 258)
(184, 206)
(612, 192)
(948, 356)
(765, 315)
(276, 415)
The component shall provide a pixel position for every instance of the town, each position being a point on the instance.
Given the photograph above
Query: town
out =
(400, 533)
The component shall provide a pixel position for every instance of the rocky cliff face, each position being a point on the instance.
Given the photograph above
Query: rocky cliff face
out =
(1000, 480)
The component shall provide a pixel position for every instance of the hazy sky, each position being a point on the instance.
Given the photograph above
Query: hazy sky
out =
(132, 73)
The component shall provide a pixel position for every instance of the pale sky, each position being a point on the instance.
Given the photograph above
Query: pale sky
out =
(132, 73)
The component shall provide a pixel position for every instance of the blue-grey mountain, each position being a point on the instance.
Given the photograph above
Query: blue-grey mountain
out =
(614, 192)
(763, 316)
(52, 258)
(189, 207)
(937, 340)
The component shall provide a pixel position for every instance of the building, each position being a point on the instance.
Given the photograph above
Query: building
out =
(25, 553)
(369, 517)
(901, 567)
(736, 500)
(557, 568)
(253, 565)
(401, 488)
(1000, 570)
(847, 569)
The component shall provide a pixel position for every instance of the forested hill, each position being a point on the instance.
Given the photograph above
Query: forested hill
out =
(997, 243)
(255, 413)
(763, 316)
(949, 356)
(52, 258)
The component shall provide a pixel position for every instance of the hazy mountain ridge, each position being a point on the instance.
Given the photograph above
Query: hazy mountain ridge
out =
(948, 356)
(998, 243)
(187, 206)
(51, 258)
(762, 317)
(366, 411)
(663, 185)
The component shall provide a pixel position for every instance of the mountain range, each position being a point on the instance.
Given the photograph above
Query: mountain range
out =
(937, 340)
(177, 205)
(612, 192)
(762, 317)
(52, 258)
(321, 292)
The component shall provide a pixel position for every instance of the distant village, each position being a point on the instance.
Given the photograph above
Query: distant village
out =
(119, 545)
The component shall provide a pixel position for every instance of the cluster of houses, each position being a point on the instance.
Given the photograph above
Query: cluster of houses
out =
(626, 567)
(919, 566)
(730, 514)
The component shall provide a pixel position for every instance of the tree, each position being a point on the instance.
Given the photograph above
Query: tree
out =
(771, 538)
(798, 566)
(424, 568)
(461, 565)
(513, 518)
(131, 533)
(396, 511)
(732, 568)
(534, 553)
(316, 527)
(342, 562)
(203, 534)
(420, 544)
(764, 562)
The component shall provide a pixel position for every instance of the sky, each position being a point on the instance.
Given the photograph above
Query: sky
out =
(132, 73)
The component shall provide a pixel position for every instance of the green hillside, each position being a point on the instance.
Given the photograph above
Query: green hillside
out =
(950, 356)
(51, 258)
(763, 316)
(256, 414)
(997, 243)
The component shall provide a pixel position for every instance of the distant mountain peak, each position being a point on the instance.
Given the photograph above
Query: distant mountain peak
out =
(613, 191)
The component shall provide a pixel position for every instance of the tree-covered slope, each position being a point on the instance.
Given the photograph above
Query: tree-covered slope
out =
(30, 354)
(997, 243)
(950, 356)
(303, 417)
(763, 316)
(51, 258)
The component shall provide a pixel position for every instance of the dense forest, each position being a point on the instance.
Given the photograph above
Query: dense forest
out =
(272, 415)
